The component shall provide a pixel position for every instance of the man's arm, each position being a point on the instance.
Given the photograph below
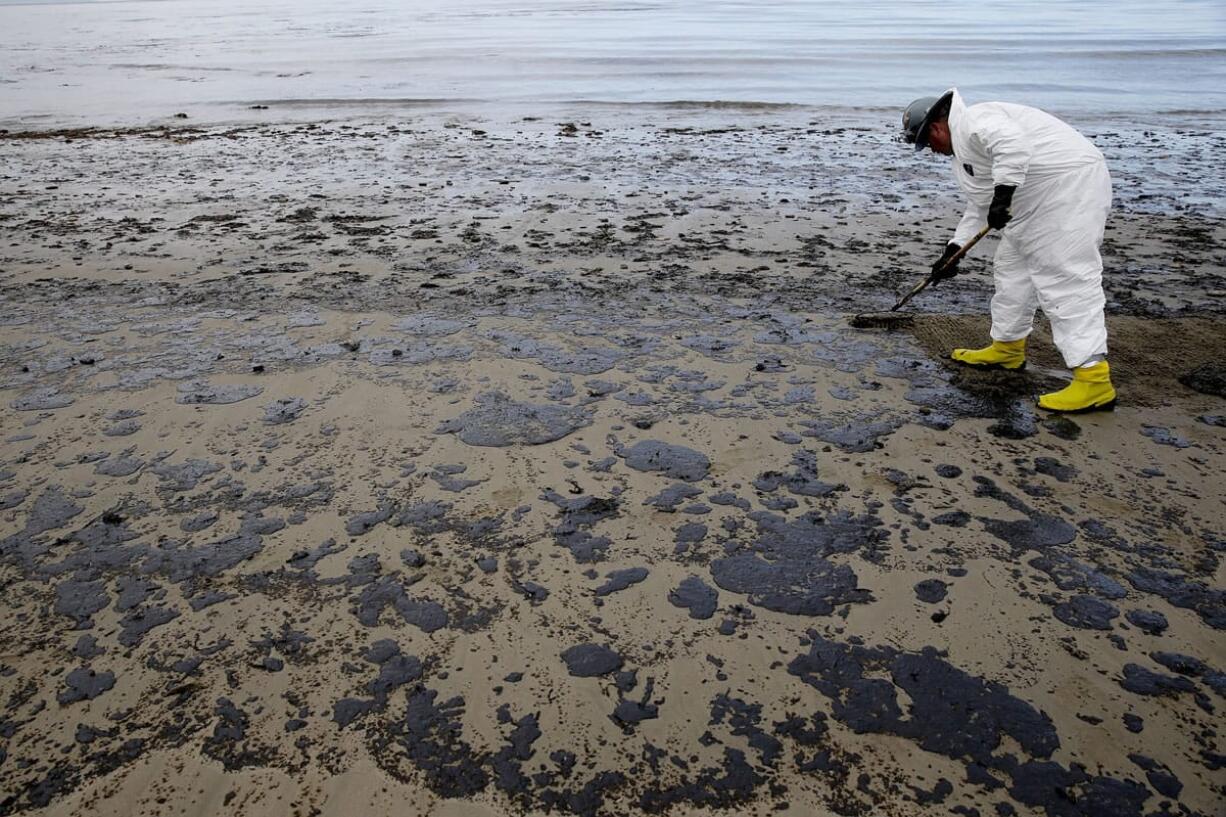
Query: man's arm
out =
(972, 222)
(1010, 151)
(1008, 146)
(1001, 138)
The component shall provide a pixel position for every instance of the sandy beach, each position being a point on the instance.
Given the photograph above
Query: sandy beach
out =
(521, 463)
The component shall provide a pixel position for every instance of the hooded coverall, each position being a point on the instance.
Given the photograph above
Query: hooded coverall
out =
(1048, 254)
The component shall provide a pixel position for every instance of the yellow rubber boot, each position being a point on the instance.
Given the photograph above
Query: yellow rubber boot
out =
(1002, 354)
(1091, 390)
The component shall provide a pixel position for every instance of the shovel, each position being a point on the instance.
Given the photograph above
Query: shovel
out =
(867, 320)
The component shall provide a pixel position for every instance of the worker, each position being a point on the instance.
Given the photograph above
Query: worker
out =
(1046, 188)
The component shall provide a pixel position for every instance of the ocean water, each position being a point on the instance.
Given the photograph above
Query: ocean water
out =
(134, 61)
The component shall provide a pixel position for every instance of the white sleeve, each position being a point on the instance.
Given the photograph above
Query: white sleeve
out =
(1008, 146)
(972, 222)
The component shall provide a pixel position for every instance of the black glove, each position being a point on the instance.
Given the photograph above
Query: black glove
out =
(998, 211)
(938, 275)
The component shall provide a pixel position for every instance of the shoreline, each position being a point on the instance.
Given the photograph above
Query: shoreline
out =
(272, 112)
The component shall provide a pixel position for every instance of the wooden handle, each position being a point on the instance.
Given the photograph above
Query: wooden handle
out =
(956, 257)
(953, 259)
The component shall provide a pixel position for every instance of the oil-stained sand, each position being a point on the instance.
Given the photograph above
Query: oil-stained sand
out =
(475, 467)
(1148, 356)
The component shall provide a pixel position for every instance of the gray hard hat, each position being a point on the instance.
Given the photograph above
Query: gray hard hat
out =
(920, 114)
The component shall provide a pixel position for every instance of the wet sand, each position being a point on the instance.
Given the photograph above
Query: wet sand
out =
(485, 465)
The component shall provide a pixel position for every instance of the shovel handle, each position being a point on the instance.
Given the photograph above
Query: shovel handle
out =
(953, 259)
(956, 257)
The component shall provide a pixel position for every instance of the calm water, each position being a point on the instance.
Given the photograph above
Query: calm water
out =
(136, 60)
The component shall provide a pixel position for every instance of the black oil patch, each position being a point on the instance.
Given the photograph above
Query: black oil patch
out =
(427, 325)
(124, 428)
(949, 712)
(445, 477)
(229, 743)
(137, 623)
(802, 481)
(284, 410)
(395, 670)
(186, 475)
(204, 393)
(1209, 378)
(1209, 603)
(591, 660)
(362, 523)
(578, 515)
(672, 496)
(1052, 467)
(699, 597)
(1062, 427)
(674, 461)
(1039, 530)
(1165, 436)
(931, 591)
(44, 399)
(122, 466)
(182, 562)
(498, 421)
(1180, 664)
(730, 499)
(1159, 776)
(79, 599)
(630, 712)
(619, 580)
(732, 782)
(959, 716)
(201, 521)
(854, 435)
(1070, 574)
(1086, 613)
(787, 569)
(744, 719)
(390, 591)
(1142, 681)
(84, 684)
(1148, 621)
(11, 499)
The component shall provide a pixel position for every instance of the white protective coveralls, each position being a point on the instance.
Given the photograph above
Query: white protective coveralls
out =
(1048, 255)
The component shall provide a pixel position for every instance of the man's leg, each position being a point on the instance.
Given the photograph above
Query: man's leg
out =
(1070, 289)
(1072, 298)
(1015, 300)
(1013, 308)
